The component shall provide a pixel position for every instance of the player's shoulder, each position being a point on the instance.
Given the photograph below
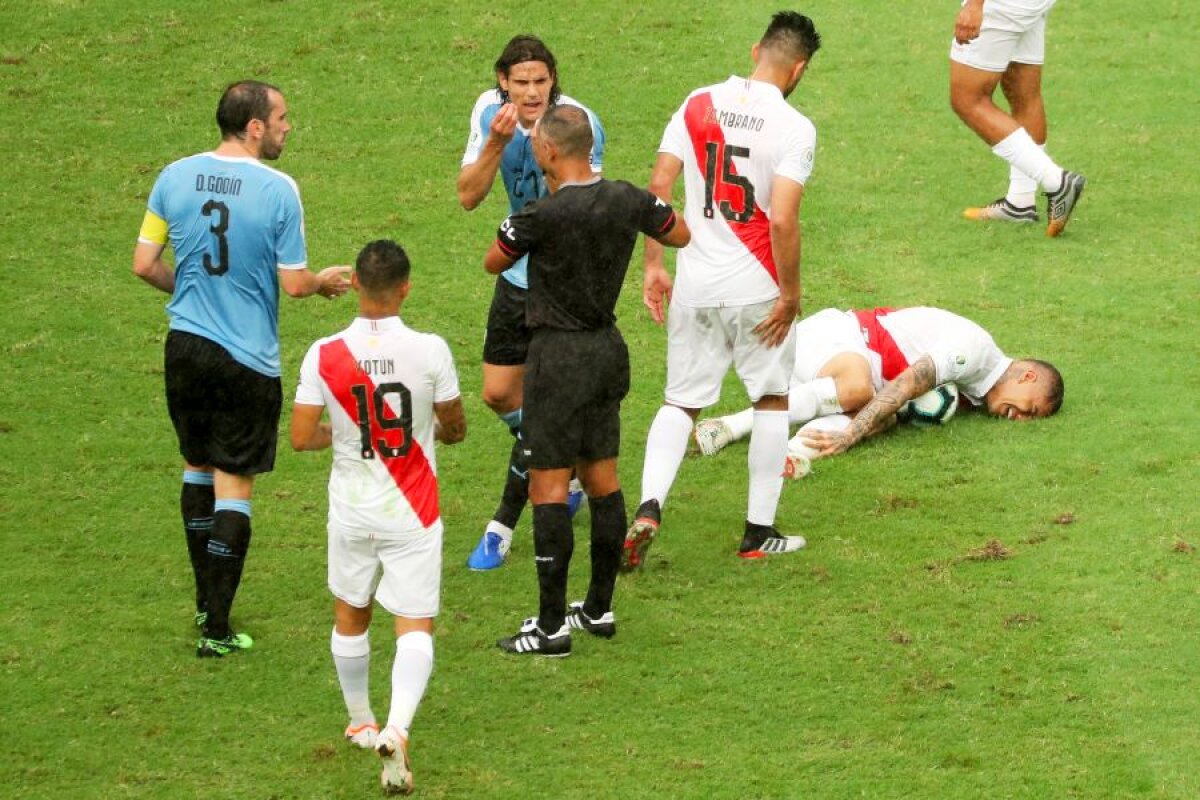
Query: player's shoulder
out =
(488, 101)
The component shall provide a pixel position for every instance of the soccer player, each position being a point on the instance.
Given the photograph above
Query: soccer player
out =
(1004, 42)
(237, 229)
(745, 155)
(501, 123)
(844, 359)
(578, 242)
(389, 391)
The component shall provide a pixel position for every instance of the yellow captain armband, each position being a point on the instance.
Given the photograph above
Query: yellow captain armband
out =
(154, 229)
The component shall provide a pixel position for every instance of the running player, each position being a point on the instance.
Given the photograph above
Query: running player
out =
(578, 242)
(237, 229)
(389, 391)
(1004, 42)
(501, 123)
(745, 155)
(844, 358)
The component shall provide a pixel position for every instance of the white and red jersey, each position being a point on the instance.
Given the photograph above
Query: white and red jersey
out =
(734, 139)
(379, 380)
(962, 352)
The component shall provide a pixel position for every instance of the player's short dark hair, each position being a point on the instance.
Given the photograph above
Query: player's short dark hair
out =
(792, 33)
(570, 130)
(381, 265)
(522, 48)
(1054, 384)
(242, 102)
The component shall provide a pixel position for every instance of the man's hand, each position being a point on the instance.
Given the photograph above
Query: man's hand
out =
(334, 281)
(656, 292)
(504, 125)
(774, 329)
(970, 18)
(827, 443)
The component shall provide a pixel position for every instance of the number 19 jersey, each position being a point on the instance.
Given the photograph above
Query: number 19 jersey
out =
(734, 138)
(379, 380)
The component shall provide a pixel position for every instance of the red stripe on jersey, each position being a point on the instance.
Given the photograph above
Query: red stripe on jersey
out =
(880, 341)
(412, 472)
(511, 252)
(700, 119)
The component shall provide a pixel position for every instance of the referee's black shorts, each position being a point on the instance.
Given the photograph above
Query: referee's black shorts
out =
(507, 342)
(574, 384)
(226, 415)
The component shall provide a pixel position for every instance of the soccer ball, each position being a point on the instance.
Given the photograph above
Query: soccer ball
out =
(935, 407)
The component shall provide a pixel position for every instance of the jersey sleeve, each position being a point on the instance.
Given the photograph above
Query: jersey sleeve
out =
(291, 252)
(658, 217)
(481, 120)
(517, 235)
(799, 150)
(598, 142)
(308, 388)
(154, 229)
(445, 376)
(154, 224)
(675, 137)
(970, 359)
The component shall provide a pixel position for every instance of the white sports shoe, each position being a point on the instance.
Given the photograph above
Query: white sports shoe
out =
(397, 775)
(712, 435)
(363, 736)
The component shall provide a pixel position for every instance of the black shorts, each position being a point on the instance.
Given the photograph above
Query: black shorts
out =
(226, 415)
(507, 342)
(574, 384)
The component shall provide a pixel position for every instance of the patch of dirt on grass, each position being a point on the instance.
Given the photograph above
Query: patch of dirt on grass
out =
(1183, 547)
(1021, 620)
(994, 550)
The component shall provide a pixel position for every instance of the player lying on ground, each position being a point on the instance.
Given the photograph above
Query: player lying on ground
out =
(845, 358)
(389, 392)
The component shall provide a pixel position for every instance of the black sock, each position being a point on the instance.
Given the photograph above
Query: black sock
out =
(196, 507)
(226, 554)
(516, 487)
(608, 537)
(553, 543)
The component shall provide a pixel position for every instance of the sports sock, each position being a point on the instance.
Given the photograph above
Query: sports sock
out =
(196, 506)
(516, 478)
(767, 455)
(816, 398)
(608, 538)
(1022, 189)
(553, 543)
(1020, 151)
(666, 445)
(352, 659)
(410, 676)
(227, 547)
(740, 423)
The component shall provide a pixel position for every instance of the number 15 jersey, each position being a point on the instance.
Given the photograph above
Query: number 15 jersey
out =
(734, 138)
(379, 380)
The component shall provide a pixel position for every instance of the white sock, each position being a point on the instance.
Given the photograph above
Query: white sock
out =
(352, 658)
(740, 423)
(666, 445)
(1022, 189)
(815, 398)
(767, 454)
(504, 531)
(833, 423)
(1020, 151)
(410, 676)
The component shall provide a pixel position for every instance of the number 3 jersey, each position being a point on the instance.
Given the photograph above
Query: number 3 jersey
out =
(232, 222)
(379, 380)
(734, 138)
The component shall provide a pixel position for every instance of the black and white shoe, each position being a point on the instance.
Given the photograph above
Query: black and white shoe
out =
(761, 541)
(604, 626)
(1002, 211)
(1060, 204)
(531, 640)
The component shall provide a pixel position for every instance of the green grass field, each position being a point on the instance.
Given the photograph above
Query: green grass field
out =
(892, 659)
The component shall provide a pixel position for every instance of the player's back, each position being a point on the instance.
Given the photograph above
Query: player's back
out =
(380, 380)
(232, 222)
(734, 138)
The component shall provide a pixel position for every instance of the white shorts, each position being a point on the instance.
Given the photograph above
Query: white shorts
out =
(1012, 31)
(410, 582)
(702, 343)
(822, 336)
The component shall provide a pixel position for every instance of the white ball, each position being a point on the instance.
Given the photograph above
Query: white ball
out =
(935, 407)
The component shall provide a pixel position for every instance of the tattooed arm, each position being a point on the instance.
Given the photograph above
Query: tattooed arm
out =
(880, 413)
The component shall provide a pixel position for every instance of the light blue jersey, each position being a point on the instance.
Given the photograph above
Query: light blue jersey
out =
(522, 177)
(232, 222)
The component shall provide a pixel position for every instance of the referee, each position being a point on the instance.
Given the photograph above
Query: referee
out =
(579, 240)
